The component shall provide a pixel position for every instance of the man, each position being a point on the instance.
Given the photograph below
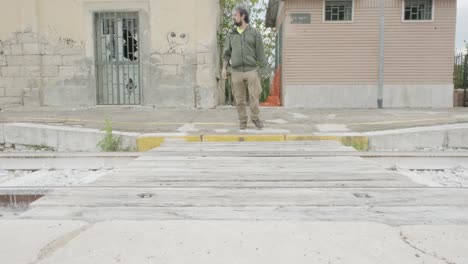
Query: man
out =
(244, 50)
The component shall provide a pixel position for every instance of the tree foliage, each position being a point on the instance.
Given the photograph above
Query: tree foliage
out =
(257, 10)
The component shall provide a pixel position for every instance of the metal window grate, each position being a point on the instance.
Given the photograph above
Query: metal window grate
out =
(338, 10)
(418, 9)
(117, 58)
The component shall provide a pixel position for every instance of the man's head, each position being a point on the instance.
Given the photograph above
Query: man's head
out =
(240, 15)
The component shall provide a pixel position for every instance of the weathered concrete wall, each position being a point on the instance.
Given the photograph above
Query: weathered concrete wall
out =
(47, 51)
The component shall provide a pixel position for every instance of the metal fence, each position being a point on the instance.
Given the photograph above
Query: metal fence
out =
(460, 75)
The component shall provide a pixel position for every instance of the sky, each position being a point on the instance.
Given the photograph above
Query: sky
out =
(462, 23)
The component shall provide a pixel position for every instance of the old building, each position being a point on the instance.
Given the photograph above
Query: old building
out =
(90, 52)
(359, 53)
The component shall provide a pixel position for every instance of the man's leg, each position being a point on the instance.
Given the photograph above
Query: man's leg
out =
(255, 89)
(239, 90)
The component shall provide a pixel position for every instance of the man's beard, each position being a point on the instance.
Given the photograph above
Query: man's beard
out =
(238, 24)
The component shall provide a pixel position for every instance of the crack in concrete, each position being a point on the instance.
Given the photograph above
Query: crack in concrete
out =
(371, 209)
(434, 255)
(59, 243)
(181, 215)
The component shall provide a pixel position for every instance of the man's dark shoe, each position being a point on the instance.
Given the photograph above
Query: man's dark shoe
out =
(243, 125)
(258, 123)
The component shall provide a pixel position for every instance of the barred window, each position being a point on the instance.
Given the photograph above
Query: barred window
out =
(338, 10)
(418, 9)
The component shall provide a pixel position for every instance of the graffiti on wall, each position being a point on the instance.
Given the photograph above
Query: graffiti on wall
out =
(177, 42)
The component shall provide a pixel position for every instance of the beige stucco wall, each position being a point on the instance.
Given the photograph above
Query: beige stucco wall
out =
(176, 72)
(17, 15)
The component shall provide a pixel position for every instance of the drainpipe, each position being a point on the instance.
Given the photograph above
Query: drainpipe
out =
(381, 54)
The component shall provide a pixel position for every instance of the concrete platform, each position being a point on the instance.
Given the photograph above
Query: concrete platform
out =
(24, 242)
(136, 242)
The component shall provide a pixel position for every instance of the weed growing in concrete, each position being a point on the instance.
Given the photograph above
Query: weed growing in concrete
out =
(109, 142)
(8, 147)
(42, 148)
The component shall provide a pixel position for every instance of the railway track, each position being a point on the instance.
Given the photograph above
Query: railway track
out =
(246, 180)
(79, 160)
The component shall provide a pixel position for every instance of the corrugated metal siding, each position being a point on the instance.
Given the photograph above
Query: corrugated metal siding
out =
(420, 52)
(302, 4)
(330, 53)
(347, 53)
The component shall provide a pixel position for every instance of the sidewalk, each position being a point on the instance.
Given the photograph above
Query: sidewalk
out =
(221, 124)
(224, 119)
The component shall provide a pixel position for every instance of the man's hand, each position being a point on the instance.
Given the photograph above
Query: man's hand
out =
(263, 73)
(224, 73)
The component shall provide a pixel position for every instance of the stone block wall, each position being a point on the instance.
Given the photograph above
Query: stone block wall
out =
(39, 72)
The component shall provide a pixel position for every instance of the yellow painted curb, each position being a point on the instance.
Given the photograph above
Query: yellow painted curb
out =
(309, 138)
(146, 143)
(237, 138)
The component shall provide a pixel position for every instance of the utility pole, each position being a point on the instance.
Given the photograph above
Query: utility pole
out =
(381, 54)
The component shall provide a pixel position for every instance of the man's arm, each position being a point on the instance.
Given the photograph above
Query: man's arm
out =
(260, 53)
